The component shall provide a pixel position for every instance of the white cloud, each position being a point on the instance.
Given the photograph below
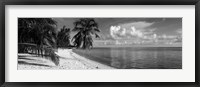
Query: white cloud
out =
(141, 33)
(119, 33)
(133, 29)
(114, 30)
(123, 32)
(135, 32)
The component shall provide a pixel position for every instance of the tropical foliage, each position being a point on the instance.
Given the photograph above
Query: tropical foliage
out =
(37, 35)
(63, 37)
(86, 28)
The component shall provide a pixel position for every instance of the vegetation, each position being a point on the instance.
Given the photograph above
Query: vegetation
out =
(38, 36)
(85, 28)
(63, 37)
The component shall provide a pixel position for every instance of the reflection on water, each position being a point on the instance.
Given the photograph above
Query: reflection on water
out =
(140, 58)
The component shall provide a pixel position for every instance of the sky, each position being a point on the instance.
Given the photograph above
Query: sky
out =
(137, 30)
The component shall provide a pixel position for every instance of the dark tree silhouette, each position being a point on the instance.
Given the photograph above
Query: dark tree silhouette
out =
(86, 28)
(63, 37)
(38, 34)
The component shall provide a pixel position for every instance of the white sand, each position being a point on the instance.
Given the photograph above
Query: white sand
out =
(68, 60)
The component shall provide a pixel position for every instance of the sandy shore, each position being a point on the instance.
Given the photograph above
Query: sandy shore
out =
(68, 60)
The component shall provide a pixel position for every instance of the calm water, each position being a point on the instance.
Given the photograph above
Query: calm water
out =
(137, 58)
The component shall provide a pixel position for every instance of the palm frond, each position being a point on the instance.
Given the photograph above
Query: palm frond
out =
(39, 31)
(86, 27)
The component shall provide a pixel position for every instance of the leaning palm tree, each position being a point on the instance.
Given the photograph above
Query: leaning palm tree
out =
(38, 31)
(63, 37)
(85, 28)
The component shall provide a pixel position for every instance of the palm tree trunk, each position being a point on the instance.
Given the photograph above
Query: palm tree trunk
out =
(84, 42)
(42, 52)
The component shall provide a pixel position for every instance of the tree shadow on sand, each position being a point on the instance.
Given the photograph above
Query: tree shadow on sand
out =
(36, 64)
(24, 58)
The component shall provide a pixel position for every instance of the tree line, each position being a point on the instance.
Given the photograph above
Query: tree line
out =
(39, 36)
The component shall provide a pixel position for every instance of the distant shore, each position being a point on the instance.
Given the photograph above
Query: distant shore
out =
(68, 60)
(158, 45)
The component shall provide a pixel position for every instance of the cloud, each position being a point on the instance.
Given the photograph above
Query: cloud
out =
(141, 32)
(135, 32)
(131, 30)
(114, 30)
(138, 35)
(121, 33)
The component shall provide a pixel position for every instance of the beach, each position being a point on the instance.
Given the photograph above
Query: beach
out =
(68, 60)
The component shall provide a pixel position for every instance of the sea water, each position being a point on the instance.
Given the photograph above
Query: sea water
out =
(136, 57)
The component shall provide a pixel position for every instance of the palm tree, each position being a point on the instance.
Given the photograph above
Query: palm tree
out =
(86, 28)
(28, 27)
(38, 31)
(63, 37)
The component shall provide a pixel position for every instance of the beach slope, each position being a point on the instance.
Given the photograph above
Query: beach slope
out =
(68, 60)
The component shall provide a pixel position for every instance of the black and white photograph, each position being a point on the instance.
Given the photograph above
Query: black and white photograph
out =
(99, 43)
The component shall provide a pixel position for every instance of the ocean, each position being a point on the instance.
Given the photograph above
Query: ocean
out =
(136, 57)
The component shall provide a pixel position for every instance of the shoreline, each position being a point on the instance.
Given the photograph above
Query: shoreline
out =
(118, 46)
(68, 60)
(91, 62)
